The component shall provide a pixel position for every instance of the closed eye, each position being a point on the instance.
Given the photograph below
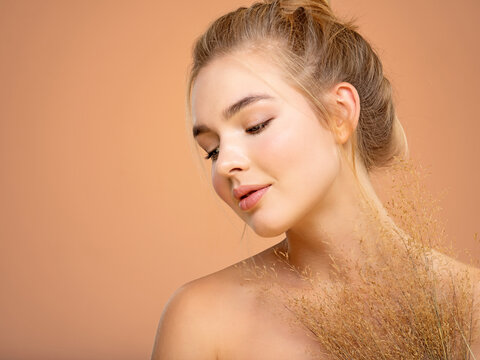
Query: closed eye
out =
(253, 130)
(212, 154)
(257, 128)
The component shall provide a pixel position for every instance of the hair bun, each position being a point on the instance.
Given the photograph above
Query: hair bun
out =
(319, 9)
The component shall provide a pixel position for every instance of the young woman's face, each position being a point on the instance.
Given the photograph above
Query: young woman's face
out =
(261, 131)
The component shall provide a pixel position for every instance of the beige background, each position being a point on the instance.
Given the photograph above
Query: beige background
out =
(103, 209)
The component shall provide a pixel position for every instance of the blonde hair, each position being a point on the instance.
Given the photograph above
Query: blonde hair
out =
(317, 51)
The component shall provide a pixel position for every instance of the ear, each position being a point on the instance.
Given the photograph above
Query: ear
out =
(346, 110)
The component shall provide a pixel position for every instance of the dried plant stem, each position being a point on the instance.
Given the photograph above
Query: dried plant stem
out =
(402, 300)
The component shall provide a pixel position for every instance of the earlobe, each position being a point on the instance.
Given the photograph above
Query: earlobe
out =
(346, 111)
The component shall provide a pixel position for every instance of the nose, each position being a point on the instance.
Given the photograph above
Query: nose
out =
(231, 159)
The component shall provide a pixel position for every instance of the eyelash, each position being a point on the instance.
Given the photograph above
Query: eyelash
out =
(260, 127)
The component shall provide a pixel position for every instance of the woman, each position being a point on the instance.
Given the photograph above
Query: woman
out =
(292, 108)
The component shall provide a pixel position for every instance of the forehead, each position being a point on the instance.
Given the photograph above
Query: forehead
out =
(230, 77)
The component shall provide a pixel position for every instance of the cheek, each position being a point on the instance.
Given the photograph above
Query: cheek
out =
(300, 150)
(317, 160)
(276, 149)
(304, 160)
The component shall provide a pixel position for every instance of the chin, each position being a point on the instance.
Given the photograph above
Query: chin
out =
(267, 228)
(267, 232)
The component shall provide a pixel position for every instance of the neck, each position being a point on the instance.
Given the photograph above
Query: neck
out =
(337, 231)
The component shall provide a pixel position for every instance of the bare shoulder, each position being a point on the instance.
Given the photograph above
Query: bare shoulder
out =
(447, 264)
(189, 325)
(471, 274)
(474, 274)
(194, 320)
(183, 332)
(475, 346)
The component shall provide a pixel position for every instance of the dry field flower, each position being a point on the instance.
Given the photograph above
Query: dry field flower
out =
(405, 298)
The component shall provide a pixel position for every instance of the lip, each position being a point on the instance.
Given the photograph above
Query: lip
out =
(252, 199)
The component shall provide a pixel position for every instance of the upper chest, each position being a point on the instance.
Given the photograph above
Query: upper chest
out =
(261, 326)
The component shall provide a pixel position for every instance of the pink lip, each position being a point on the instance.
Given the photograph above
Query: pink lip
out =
(242, 190)
(251, 200)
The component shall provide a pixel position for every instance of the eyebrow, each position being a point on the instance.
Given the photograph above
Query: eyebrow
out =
(232, 110)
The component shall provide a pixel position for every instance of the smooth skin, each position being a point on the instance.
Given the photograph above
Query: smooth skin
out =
(313, 199)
